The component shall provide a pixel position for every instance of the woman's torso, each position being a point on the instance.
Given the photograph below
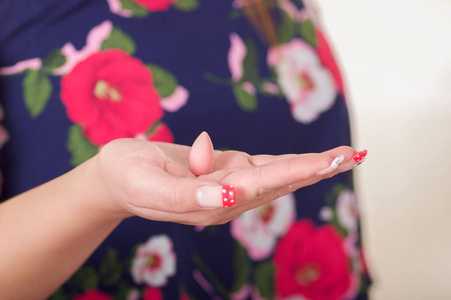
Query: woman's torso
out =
(75, 75)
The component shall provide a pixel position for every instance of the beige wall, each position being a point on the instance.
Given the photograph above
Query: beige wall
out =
(396, 56)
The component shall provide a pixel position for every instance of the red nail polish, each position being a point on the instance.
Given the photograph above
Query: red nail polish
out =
(228, 195)
(360, 156)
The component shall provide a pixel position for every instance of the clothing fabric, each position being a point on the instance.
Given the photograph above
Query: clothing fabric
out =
(75, 75)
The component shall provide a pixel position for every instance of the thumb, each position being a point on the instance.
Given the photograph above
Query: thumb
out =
(182, 194)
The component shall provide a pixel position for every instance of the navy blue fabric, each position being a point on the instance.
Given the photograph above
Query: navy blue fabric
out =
(189, 44)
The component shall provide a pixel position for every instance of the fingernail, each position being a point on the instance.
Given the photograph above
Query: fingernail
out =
(210, 196)
(359, 157)
(228, 195)
(335, 163)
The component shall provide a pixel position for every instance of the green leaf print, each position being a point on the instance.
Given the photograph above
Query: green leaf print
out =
(119, 40)
(331, 200)
(79, 147)
(250, 62)
(186, 4)
(286, 28)
(110, 268)
(85, 278)
(37, 89)
(122, 290)
(307, 31)
(59, 295)
(53, 60)
(247, 102)
(164, 81)
(241, 267)
(264, 273)
(136, 10)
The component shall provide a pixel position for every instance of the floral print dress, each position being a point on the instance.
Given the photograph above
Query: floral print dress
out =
(75, 75)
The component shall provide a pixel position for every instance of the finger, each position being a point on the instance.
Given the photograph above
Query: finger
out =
(201, 155)
(263, 159)
(281, 173)
(152, 187)
(342, 163)
(258, 160)
(357, 159)
(338, 156)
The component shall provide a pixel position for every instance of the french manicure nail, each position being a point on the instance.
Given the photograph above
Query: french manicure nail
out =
(335, 163)
(211, 196)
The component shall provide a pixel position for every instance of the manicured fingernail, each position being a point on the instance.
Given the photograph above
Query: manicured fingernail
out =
(359, 157)
(228, 195)
(335, 163)
(210, 196)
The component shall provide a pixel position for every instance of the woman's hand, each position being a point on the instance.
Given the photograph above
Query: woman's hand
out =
(59, 224)
(168, 182)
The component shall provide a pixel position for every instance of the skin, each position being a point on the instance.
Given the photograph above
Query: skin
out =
(49, 231)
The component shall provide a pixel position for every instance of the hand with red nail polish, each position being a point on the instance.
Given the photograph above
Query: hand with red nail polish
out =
(200, 186)
(157, 181)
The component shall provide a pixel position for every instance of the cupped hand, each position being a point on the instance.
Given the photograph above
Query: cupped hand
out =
(175, 183)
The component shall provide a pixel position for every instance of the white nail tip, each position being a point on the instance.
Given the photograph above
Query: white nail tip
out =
(335, 163)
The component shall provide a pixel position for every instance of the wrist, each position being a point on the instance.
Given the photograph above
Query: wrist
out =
(96, 195)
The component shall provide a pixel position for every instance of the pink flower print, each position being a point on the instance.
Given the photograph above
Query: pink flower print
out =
(242, 293)
(116, 8)
(236, 55)
(308, 87)
(73, 56)
(33, 64)
(94, 42)
(271, 88)
(154, 262)
(353, 289)
(176, 100)
(133, 295)
(258, 229)
(290, 8)
(249, 88)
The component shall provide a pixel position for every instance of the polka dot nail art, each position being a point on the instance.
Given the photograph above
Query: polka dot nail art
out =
(228, 195)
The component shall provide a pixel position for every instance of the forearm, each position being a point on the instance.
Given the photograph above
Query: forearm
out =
(48, 232)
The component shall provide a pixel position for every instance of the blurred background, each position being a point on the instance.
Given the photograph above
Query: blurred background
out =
(396, 59)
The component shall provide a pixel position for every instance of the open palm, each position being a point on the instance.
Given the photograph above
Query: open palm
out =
(166, 182)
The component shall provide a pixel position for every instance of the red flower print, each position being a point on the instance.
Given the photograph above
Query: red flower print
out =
(184, 296)
(327, 59)
(162, 133)
(152, 294)
(155, 5)
(93, 295)
(312, 263)
(111, 95)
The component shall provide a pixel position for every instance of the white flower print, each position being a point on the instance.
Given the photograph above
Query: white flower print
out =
(258, 229)
(154, 262)
(347, 211)
(308, 87)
